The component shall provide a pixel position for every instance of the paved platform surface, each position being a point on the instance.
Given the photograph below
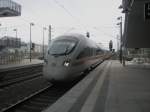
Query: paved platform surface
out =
(125, 89)
(24, 62)
(109, 88)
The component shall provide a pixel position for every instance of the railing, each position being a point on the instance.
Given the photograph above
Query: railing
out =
(12, 58)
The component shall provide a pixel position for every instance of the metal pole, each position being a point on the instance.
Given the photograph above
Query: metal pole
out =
(17, 45)
(16, 33)
(31, 24)
(43, 43)
(117, 43)
(43, 40)
(17, 42)
(49, 40)
(30, 42)
(125, 38)
(0, 28)
(121, 57)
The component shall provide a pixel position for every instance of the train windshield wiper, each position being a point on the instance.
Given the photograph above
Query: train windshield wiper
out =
(60, 54)
(67, 50)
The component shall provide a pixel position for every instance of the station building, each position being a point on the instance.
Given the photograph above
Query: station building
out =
(10, 42)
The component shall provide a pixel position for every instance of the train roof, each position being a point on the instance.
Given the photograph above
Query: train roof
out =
(79, 37)
(75, 36)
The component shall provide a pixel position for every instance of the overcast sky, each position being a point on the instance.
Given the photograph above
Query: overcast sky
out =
(66, 16)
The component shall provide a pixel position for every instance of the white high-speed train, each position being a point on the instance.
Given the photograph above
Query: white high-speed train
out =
(69, 55)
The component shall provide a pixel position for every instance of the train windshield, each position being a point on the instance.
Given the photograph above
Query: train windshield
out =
(62, 47)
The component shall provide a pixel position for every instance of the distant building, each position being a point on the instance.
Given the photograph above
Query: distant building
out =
(10, 42)
(24, 47)
(38, 48)
(9, 8)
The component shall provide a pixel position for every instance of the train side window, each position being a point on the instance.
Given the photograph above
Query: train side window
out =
(91, 51)
(85, 53)
(94, 51)
(99, 51)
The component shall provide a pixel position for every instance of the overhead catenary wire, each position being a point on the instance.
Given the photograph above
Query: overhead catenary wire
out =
(70, 14)
(66, 10)
(37, 24)
(109, 35)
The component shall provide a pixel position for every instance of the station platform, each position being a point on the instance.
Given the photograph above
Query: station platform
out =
(109, 88)
(25, 62)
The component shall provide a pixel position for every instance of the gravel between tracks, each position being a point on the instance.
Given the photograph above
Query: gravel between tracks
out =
(16, 92)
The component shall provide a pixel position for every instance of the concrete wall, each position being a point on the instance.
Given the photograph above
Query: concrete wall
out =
(137, 28)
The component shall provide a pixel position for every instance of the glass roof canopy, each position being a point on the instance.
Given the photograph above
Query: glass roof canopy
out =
(9, 8)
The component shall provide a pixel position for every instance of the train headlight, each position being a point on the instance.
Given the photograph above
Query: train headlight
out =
(66, 63)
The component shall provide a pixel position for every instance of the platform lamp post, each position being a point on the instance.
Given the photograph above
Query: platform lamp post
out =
(0, 26)
(120, 23)
(16, 31)
(126, 6)
(31, 24)
(44, 28)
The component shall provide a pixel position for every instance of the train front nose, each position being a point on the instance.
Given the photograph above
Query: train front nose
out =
(55, 73)
(59, 59)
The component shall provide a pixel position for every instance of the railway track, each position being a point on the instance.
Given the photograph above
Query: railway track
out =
(17, 80)
(17, 75)
(39, 100)
(43, 98)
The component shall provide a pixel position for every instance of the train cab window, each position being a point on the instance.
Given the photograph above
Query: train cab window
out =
(62, 47)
